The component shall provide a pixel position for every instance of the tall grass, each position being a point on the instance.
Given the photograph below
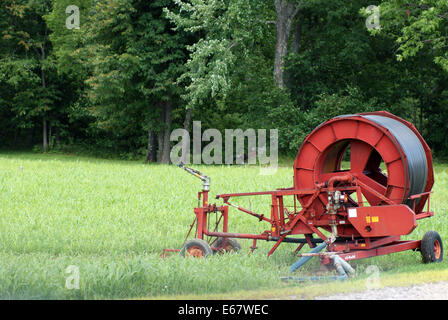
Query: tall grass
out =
(112, 219)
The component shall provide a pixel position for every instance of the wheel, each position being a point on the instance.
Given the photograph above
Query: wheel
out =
(231, 245)
(197, 248)
(431, 247)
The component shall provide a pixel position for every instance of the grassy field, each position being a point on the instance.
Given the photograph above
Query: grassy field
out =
(112, 219)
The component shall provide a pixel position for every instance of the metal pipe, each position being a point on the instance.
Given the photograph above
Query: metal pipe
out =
(304, 260)
(339, 264)
(236, 235)
(344, 264)
(205, 179)
(296, 240)
(341, 178)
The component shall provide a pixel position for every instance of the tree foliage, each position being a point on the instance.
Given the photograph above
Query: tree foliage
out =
(135, 69)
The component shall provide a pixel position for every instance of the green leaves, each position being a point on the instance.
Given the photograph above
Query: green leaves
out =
(229, 32)
(108, 82)
(416, 26)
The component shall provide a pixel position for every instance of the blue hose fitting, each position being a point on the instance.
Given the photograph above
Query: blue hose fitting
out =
(304, 260)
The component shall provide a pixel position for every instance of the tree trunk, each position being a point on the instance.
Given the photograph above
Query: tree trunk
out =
(187, 123)
(285, 10)
(187, 120)
(151, 154)
(44, 117)
(295, 47)
(50, 142)
(167, 132)
(160, 135)
(296, 36)
(44, 135)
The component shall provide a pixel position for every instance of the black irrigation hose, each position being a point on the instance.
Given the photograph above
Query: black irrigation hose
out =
(412, 149)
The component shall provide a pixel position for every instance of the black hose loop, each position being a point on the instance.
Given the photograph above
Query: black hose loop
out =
(412, 148)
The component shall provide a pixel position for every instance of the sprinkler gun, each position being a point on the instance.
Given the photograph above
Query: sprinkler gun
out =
(205, 180)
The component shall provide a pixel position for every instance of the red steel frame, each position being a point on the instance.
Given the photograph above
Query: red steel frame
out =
(297, 221)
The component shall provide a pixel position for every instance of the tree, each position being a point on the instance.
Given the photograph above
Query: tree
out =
(74, 124)
(229, 73)
(134, 59)
(26, 57)
(286, 11)
(420, 30)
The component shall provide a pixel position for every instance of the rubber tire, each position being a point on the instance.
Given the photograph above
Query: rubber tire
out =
(427, 247)
(235, 245)
(198, 245)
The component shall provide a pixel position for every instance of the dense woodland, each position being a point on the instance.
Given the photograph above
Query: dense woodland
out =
(134, 70)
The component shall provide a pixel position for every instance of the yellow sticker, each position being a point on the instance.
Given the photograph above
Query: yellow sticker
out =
(375, 219)
(363, 244)
(273, 229)
(368, 219)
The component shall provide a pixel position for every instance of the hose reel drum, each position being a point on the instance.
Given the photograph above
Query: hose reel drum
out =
(384, 152)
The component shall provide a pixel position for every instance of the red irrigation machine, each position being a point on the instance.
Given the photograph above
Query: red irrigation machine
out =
(356, 212)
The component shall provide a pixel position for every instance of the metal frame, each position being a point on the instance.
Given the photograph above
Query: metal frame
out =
(322, 196)
(285, 223)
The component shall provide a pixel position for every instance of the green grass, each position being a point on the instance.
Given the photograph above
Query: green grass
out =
(112, 219)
